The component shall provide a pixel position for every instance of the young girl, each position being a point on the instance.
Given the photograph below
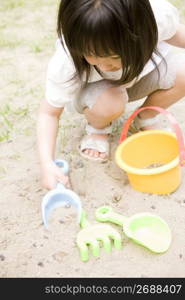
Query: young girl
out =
(109, 52)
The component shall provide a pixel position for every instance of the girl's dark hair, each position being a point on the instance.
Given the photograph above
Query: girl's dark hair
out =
(101, 28)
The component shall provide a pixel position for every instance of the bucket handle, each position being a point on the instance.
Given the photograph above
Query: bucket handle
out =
(173, 122)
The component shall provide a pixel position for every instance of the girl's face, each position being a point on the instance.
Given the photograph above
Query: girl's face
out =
(105, 64)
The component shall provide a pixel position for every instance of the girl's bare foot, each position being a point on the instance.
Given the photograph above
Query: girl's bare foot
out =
(95, 146)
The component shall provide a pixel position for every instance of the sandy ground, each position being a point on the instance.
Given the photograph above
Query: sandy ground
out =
(27, 249)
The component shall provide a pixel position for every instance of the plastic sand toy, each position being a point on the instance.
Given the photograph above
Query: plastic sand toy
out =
(93, 235)
(60, 196)
(163, 150)
(144, 229)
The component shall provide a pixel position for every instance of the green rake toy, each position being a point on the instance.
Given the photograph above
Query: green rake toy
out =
(93, 235)
(144, 229)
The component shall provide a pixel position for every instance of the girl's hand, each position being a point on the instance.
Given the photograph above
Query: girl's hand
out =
(51, 174)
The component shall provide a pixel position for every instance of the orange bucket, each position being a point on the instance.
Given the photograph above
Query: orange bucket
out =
(152, 147)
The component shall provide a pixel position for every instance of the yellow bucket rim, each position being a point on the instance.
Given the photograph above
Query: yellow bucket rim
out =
(139, 171)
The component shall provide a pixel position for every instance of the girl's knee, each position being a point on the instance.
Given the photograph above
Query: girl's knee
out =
(110, 105)
(113, 101)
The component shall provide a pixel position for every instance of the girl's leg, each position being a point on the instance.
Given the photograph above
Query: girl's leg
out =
(109, 106)
(166, 98)
(166, 92)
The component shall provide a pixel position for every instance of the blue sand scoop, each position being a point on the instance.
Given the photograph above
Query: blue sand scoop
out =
(60, 196)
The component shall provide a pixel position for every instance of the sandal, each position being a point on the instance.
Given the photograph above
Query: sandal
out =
(156, 122)
(139, 124)
(100, 145)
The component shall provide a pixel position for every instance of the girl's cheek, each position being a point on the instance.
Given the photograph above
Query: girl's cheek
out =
(118, 64)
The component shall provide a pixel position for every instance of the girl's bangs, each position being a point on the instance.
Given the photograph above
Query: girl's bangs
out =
(99, 44)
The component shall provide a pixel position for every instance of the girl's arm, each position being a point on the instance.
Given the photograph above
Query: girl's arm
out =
(178, 40)
(47, 129)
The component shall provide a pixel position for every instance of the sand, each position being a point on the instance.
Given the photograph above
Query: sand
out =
(27, 249)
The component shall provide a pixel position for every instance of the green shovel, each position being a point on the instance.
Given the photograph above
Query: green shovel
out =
(145, 229)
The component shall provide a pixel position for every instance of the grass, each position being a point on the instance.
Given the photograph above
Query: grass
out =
(9, 42)
(180, 4)
(11, 4)
(42, 44)
(27, 37)
(8, 5)
(8, 118)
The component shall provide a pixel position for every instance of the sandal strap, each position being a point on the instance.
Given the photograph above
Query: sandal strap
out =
(140, 123)
(94, 144)
(89, 129)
